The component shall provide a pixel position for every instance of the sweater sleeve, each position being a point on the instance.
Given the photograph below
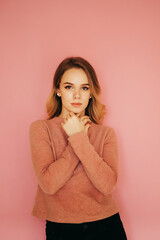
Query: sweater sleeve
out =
(51, 173)
(102, 171)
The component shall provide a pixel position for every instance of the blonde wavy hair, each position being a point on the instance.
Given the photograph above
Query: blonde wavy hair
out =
(95, 110)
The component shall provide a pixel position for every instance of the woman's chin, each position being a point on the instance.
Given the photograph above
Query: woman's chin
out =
(77, 112)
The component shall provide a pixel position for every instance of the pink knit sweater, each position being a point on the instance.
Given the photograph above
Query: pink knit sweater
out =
(76, 174)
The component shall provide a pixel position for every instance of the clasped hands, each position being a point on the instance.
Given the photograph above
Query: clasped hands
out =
(75, 123)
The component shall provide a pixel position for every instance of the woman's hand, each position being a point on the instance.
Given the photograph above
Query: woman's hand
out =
(74, 123)
(86, 122)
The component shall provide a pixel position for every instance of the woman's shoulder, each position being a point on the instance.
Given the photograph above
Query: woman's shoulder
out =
(36, 123)
(102, 129)
(43, 125)
(36, 127)
(40, 122)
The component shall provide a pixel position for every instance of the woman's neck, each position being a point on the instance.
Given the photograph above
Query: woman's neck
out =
(65, 115)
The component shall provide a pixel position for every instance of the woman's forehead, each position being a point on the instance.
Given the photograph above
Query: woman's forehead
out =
(75, 75)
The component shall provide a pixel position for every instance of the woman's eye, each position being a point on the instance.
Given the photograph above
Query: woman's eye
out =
(68, 87)
(85, 88)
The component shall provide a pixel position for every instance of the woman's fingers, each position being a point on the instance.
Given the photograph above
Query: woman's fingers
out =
(70, 114)
(86, 122)
(78, 115)
(85, 119)
(74, 123)
(86, 128)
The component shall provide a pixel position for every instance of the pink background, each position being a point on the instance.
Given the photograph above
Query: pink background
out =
(121, 39)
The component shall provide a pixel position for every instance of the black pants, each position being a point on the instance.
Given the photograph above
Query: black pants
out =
(110, 228)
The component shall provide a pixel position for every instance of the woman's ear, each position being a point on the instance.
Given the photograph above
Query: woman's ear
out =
(58, 92)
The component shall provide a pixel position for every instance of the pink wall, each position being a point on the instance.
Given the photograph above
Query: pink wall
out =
(121, 39)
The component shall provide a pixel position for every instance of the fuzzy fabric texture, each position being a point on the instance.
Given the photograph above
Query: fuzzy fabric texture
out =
(76, 175)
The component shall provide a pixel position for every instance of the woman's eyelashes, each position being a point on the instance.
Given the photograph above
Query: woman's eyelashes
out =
(69, 87)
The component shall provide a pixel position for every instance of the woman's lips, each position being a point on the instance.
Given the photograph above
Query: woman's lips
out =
(76, 104)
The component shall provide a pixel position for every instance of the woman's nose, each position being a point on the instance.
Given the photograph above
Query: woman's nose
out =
(77, 94)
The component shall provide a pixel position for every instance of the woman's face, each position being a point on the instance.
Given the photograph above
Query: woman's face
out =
(74, 88)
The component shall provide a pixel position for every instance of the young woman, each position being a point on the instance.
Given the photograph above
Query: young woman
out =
(75, 159)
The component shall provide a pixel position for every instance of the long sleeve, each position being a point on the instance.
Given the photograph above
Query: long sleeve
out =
(102, 171)
(51, 173)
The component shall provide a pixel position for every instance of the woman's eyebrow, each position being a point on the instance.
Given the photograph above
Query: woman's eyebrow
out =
(73, 84)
